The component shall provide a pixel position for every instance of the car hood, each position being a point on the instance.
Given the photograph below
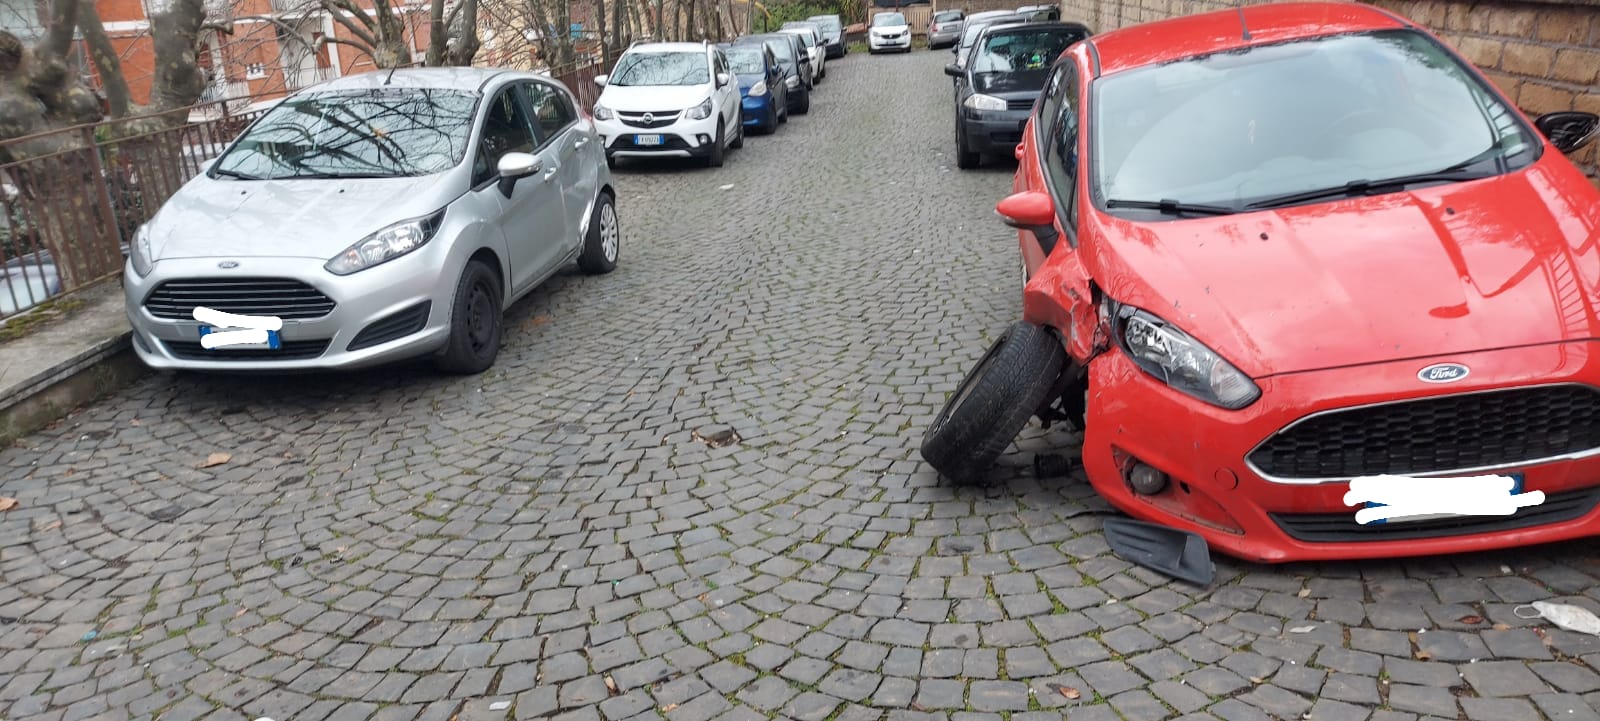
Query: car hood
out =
(1495, 263)
(748, 81)
(890, 28)
(305, 218)
(655, 98)
(1024, 83)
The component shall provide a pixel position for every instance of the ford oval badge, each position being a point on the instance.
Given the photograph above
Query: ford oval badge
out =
(1443, 373)
(228, 264)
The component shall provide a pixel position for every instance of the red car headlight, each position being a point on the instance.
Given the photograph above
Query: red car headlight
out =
(1180, 361)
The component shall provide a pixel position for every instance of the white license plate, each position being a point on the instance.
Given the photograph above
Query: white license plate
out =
(1483, 501)
(273, 342)
(646, 140)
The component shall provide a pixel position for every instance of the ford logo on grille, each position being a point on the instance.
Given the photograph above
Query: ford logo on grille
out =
(1443, 373)
(648, 117)
(227, 264)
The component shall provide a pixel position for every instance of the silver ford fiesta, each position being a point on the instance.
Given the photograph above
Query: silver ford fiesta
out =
(377, 217)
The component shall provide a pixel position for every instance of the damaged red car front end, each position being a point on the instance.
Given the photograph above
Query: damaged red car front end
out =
(1254, 315)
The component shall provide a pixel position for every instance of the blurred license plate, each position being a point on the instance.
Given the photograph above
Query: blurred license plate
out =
(646, 140)
(273, 343)
(1516, 487)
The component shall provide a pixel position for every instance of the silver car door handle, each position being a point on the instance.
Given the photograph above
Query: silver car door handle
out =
(551, 173)
(581, 142)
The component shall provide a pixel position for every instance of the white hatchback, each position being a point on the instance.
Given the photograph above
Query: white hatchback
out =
(889, 31)
(669, 100)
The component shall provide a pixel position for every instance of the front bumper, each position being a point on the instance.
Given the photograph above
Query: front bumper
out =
(758, 111)
(836, 49)
(995, 132)
(361, 301)
(903, 42)
(1217, 491)
(682, 139)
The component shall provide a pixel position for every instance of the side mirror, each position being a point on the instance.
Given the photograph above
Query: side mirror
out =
(514, 167)
(1031, 210)
(722, 79)
(600, 80)
(1568, 131)
(953, 49)
(953, 70)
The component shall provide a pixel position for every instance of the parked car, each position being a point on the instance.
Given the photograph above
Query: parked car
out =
(998, 86)
(833, 33)
(945, 28)
(376, 217)
(669, 100)
(786, 48)
(816, 52)
(889, 31)
(973, 26)
(764, 96)
(1366, 264)
(1039, 13)
(27, 281)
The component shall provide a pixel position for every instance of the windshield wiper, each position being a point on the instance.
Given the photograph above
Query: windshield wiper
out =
(234, 174)
(1172, 207)
(1454, 173)
(320, 175)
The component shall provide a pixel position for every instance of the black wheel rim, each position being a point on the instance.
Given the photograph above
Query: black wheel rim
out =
(480, 317)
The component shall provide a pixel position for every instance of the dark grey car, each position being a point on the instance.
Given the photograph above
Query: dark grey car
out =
(833, 32)
(1000, 83)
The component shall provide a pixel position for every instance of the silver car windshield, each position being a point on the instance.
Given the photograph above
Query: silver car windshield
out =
(355, 134)
(1297, 117)
(680, 68)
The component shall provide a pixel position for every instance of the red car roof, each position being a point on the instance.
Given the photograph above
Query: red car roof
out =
(1178, 38)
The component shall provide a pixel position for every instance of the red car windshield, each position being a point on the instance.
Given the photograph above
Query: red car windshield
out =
(1231, 129)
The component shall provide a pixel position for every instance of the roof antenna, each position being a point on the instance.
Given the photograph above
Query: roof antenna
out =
(1242, 25)
(395, 67)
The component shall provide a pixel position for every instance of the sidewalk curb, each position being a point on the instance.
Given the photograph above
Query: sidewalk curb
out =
(46, 397)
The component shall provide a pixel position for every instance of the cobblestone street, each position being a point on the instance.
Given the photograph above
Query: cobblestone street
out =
(690, 491)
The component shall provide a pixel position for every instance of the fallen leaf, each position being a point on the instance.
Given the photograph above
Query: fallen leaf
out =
(1302, 629)
(1071, 693)
(1470, 620)
(240, 612)
(51, 526)
(217, 459)
(1304, 592)
(1257, 680)
(135, 422)
(611, 685)
(918, 707)
(1502, 627)
(1422, 655)
(7, 503)
(668, 708)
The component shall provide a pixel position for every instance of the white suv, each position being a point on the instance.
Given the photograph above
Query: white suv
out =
(669, 100)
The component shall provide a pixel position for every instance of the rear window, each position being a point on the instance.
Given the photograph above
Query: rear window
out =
(947, 16)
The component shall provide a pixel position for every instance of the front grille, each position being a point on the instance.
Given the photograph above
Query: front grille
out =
(1342, 527)
(1437, 435)
(657, 120)
(281, 297)
(1007, 138)
(290, 350)
(395, 325)
(668, 142)
(1015, 104)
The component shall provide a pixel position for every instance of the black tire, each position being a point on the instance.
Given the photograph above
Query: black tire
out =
(474, 322)
(966, 159)
(714, 158)
(611, 161)
(805, 101)
(783, 116)
(771, 125)
(603, 243)
(993, 402)
(738, 138)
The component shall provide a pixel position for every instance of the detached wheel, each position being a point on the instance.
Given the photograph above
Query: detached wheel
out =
(474, 322)
(603, 244)
(993, 403)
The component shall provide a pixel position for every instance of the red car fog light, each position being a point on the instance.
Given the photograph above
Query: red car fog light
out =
(1178, 498)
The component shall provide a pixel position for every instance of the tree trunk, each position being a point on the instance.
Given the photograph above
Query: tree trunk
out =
(466, 44)
(438, 34)
(104, 56)
(175, 29)
(600, 25)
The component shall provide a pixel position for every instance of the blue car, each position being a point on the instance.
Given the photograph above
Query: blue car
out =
(764, 97)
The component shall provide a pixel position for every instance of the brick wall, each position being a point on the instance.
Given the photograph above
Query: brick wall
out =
(1544, 54)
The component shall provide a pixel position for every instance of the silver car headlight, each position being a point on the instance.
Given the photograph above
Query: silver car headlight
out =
(757, 90)
(701, 111)
(139, 252)
(984, 102)
(386, 245)
(1182, 362)
(792, 82)
(602, 112)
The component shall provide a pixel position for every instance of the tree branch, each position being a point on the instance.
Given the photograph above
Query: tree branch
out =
(104, 56)
(57, 39)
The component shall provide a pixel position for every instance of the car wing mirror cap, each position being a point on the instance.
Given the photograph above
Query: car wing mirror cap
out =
(1569, 130)
(1033, 211)
(513, 167)
(722, 79)
(953, 70)
(600, 80)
